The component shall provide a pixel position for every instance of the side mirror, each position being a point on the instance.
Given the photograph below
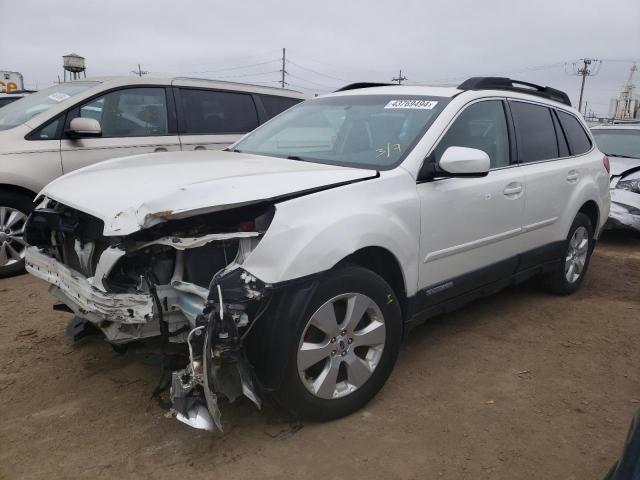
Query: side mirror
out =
(84, 127)
(464, 162)
(457, 162)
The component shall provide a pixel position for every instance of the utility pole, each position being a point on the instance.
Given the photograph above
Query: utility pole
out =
(400, 78)
(283, 71)
(139, 72)
(589, 68)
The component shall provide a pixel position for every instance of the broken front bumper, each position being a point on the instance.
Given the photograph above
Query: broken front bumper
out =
(625, 210)
(77, 292)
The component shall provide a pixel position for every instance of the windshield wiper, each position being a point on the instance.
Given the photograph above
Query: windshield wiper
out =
(295, 157)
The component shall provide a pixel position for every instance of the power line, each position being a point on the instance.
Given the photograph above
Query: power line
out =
(329, 87)
(257, 74)
(318, 73)
(237, 67)
(235, 59)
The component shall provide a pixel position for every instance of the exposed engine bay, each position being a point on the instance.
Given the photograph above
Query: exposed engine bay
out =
(181, 280)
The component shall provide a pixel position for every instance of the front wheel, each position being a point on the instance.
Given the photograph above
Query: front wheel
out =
(571, 270)
(14, 208)
(348, 342)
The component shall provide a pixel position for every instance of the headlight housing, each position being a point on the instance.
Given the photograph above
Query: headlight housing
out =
(629, 185)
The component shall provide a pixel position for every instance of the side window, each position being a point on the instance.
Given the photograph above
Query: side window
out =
(48, 132)
(534, 131)
(132, 112)
(276, 105)
(577, 137)
(211, 112)
(482, 125)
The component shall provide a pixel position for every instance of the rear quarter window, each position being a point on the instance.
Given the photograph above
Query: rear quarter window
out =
(578, 139)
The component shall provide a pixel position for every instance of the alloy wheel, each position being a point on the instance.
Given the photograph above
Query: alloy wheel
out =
(576, 254)
(12, 244)
(341, 345)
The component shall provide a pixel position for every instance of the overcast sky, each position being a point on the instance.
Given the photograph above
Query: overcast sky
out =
(329, 42)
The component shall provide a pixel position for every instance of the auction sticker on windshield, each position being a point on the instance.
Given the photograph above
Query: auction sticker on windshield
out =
(419, 104)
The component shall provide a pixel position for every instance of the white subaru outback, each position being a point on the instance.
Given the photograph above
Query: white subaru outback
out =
(293, 263)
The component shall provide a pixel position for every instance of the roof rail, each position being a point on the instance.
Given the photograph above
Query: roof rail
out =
(355, 86)
(503, 83)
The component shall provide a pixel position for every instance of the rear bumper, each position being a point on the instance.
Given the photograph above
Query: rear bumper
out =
(84, 299)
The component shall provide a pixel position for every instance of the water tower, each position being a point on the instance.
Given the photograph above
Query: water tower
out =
(74, 64)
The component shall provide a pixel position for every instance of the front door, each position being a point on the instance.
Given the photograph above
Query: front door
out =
(470, 226)
(133, 121)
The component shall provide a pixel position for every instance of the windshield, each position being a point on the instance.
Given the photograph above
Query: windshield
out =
(618, 143)
(370, 131)
(27, 107)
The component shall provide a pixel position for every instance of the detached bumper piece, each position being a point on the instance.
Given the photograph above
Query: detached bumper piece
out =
(217, 368)
(76, 291)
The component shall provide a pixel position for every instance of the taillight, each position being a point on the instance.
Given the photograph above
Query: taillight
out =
(605, 162)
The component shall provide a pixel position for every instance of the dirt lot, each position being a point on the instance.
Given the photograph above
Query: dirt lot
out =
(520, 385)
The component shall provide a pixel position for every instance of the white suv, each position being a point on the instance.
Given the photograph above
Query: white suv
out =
(293, 263)
(72, 125)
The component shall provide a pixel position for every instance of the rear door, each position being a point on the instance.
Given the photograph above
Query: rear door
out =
(213, 119)
(133, 120)
(551, 173)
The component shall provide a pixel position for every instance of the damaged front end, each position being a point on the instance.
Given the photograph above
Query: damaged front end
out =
(180, 280)
(625, 201)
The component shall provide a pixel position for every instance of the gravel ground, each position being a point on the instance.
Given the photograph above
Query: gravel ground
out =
(520, 385)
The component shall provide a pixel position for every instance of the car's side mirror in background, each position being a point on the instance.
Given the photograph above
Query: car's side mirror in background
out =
(456, 162)
(84, 127)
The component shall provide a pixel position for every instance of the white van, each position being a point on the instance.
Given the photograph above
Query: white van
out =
(72, 125)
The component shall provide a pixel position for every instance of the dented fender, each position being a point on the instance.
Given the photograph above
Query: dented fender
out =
(314, 233)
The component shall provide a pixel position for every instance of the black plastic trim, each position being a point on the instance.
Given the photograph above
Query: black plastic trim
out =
(454, 293)
(273, 338)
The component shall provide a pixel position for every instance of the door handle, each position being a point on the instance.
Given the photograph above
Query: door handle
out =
(572, 176)
(512, 190)
(200, 147)
(160, 149)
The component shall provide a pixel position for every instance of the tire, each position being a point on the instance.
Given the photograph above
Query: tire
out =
(558, 280)
(14, 209)
(361, 369)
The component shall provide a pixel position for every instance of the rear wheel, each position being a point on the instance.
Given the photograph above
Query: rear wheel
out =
(571, 270)
(14, 208)
(348, 342)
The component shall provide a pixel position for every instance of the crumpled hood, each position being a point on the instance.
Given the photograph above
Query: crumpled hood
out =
(133, 193)
(620, 165)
